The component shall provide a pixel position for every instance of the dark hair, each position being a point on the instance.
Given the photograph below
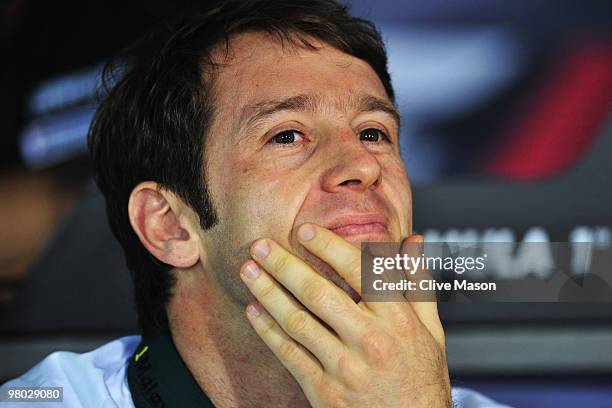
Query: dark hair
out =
(154, 119)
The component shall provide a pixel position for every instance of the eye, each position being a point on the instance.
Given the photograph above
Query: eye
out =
(373, 135)
(287, 137)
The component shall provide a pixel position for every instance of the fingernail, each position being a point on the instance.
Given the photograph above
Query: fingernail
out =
(254, 310)
(262, 249)
(306, 232)
(252, 271)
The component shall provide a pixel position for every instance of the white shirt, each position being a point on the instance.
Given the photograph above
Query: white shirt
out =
(98, 379)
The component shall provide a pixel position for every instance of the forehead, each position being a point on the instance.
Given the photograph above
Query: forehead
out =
(258, 67)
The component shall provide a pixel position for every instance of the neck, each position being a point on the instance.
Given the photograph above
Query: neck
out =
(227, 358)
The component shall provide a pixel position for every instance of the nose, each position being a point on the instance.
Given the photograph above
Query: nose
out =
(350, 165)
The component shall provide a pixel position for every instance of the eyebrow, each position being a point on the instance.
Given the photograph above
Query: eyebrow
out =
(254, 113)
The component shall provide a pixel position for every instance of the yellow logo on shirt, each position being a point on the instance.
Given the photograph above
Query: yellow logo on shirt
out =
(138, 355)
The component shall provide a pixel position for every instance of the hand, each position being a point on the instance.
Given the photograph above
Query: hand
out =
(342, 353)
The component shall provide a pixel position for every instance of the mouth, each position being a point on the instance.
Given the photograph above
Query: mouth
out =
(363, 226)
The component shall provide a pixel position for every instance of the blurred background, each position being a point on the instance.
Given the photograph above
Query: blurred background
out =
(507, 136)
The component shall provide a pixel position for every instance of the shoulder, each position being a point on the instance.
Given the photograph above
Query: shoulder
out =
(94, 379)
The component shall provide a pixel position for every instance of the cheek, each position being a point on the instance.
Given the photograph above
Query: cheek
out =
(261, 202)
(399, 192)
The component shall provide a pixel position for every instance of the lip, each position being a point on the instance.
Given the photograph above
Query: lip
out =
(350, 225)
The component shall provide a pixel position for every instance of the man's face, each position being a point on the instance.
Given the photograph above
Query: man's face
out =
(299, 135)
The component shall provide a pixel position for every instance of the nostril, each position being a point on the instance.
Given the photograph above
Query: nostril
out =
(376, 182)
(350, 182)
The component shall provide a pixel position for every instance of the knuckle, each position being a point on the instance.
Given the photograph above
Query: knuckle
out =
(266, 291)
(405, 323)
(305, 380)
(377, 347)
(314, 291)
(327, 390)
(296, 322)
(281, 264)
(267, 327)
(310, 379)
(288, 351)
(352, 372)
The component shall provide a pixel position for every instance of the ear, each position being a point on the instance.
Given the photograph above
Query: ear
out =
(161, 221)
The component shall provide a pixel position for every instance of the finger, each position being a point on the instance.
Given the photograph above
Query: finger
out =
(320, 296)
(302, 365)
(291, 316)
(343, 257)
(424, 305)
(346, 261)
